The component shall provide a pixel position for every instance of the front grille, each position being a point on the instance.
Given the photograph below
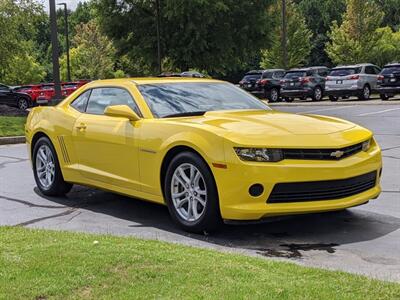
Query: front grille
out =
(321, 190)
(322, 154)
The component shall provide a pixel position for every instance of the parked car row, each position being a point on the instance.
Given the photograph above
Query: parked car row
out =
(359, 80)
(31, 95)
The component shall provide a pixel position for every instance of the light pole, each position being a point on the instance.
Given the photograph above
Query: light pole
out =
(66, 39)
(54, 47)
(158, 36)
(284, 35)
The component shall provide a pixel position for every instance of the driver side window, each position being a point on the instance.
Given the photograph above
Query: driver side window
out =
(100, 98)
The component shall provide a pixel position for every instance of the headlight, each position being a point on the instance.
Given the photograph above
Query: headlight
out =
(259, 154)
(366, 145)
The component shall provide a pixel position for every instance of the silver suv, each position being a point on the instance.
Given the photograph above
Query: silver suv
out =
(356, 80)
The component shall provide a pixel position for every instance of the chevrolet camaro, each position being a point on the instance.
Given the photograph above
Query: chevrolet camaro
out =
(205, 148)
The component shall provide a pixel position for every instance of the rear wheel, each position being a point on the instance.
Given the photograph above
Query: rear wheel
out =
(23, 103)
(317, 94)
(333, 98)
(384, 96)
(273, 95)
(191, 194)
(46, 169)
(365, 94)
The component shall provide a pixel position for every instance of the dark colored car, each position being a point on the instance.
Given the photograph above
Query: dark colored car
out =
(304, 83)
(269, 84)
(389, 81)
(11, 97)
(249, 81)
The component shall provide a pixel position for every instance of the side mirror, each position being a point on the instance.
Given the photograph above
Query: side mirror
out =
(122, 111)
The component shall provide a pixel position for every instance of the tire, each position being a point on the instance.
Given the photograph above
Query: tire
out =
(23, 103)
(45, 156)
(333, 98)
(384, 97)
(288, 99)
(206, 217)
(366, 93)
(273, 95)
(317, 94)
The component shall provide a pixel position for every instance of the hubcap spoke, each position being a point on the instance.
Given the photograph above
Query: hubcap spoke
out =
(188, 192)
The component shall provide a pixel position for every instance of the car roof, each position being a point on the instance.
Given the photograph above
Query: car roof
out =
(148, 80)
(395, 64)
(273, 70)
(353, 66)
(307, 69)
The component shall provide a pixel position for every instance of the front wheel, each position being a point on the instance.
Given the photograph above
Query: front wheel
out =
(191, 194)
(317, 94)
(46, 169)
(273, 95)
(365, 94)
(23, 103)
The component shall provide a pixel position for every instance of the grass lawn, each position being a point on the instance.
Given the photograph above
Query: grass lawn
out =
(40, 264)
(12, 126)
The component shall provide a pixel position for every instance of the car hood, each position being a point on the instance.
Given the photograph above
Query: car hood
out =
(273, 128)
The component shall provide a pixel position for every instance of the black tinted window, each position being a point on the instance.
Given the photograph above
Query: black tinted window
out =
(100, 98)
(290, 75)
(267, 75)
(252, 77)
(80, 103)
(345, 71)
(390, 70)
(4, 87)
(369, 70)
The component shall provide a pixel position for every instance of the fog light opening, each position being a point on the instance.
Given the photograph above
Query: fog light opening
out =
(256, 190)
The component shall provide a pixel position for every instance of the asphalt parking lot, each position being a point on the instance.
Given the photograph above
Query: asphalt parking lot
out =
(363, 240)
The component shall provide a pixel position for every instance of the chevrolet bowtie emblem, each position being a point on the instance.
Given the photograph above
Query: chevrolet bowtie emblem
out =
(337, 154)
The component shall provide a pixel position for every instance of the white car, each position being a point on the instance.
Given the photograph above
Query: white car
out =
(355, 80)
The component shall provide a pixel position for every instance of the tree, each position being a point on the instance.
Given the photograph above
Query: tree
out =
(298, 39)
(319, 16)
(216, 36)
(355, 39)
(92, 54)
(391, 10)
(16, 43)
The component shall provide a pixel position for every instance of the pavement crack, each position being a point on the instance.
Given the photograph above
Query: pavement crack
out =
(64, 213)
(390, 156)
(395, 192)
(30, 204)
(390, 148)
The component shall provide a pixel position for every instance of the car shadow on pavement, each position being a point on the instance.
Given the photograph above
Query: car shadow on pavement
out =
(277, 237)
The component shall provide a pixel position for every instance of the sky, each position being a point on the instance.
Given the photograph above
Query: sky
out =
(70, 3)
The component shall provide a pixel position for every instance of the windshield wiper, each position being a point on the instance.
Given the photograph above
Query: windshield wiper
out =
(186, 114)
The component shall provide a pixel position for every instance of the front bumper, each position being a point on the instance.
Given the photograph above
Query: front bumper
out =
(237, 204)
(390, 90)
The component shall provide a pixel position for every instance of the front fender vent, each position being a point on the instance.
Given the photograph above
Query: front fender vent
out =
(64, 149)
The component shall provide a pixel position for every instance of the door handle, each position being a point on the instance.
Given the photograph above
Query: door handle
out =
(81, 127)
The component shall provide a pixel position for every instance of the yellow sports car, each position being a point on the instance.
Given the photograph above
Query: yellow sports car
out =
(205, 148)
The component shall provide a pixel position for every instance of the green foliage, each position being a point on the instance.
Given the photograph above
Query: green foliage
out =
(216, 36)
(355, 39)
(92, 54)
(298, 39)
(17, 55)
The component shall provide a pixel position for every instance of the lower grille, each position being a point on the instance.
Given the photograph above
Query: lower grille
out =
(322, 190)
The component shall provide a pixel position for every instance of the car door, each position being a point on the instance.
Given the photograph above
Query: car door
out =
(371, 76)
(6, 96)
(107, 146)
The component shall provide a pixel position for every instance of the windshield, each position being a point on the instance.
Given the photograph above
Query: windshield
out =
(167, 99)
(344, 71)
(291, 75)
(390, 70)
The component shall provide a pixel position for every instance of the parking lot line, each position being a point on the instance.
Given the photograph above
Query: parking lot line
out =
(325, 109)
(378, 112)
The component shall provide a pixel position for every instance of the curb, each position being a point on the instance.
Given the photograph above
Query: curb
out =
(8, 140)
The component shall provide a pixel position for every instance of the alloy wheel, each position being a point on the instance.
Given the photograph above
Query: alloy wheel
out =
(45, 166)
(22, 104)
(366, 92)
(188, 192)
(274, 95)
